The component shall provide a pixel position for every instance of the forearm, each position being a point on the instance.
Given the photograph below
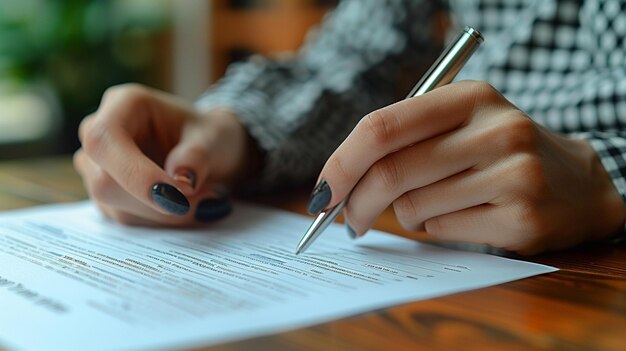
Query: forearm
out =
(611, 151)
(299, 110)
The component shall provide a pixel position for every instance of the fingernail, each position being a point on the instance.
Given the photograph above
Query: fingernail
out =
(320, 197)
(170, 199)
(187, 176)
(351, 232)
(213, 209)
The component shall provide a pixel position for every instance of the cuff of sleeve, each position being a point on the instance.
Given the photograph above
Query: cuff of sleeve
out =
(253, 111)
(250, 109)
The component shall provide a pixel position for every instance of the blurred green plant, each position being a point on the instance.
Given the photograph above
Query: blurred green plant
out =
(80, 47)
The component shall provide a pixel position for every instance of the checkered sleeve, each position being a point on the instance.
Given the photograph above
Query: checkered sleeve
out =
(299, 109)
(561, 62)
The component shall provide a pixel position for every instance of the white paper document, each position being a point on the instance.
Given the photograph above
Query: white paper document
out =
(70, 280)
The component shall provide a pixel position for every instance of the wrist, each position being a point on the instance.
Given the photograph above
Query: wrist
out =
(244, 153)
(607, 221)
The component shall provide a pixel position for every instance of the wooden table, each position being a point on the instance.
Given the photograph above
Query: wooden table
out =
(581, 307)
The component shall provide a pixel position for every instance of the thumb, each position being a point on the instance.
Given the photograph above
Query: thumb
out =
(214, 147)
(189, 162)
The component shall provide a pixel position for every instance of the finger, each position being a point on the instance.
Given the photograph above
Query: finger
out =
(495, 225)
(107, 211)
(122, 202)
(125, 209)
(109, 140)
(420, 166)
(85, 124)
(128, 210)
(106, 193)
(190, 161)
(211, 149)
(77, 161)
(411, 168)
(208, 209)
(464, 190)
(389, 129)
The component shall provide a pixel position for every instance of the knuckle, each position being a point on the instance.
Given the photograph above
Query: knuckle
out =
(94, 136)
(352, 217)
(531, 227)
(81, 164)
(516, 134)
(337, 167)
(434, 226)
(528, 218)
(529, 176)
(124, 91)
(77, 159)
(379, 127)
(411, 225)
(84, 126)
(131, 95)
(386, 175)
(480, 94)
(407, 209)
(483, 90)
(129, 170)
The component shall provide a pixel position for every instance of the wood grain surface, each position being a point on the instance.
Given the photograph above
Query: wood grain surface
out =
(580, 307)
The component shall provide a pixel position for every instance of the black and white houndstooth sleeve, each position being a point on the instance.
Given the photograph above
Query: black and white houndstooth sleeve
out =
(562, 62)
(300, 109)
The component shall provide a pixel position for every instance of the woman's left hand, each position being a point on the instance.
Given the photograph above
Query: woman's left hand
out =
(464, 164)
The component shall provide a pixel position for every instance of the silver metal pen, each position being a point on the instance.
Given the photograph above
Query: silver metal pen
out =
(442, 72)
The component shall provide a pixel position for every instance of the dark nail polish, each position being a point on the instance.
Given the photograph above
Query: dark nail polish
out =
(320, 197)
(213, 209)
(170, 199)
(350, 231)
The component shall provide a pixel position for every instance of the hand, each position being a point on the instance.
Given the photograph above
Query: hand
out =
(149, 159)
(464, 164)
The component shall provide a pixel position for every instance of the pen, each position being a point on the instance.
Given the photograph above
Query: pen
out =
(440, 73)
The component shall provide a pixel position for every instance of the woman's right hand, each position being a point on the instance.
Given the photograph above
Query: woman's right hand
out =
(150, 159)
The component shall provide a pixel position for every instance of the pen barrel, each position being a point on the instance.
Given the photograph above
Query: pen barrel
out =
(449, 62)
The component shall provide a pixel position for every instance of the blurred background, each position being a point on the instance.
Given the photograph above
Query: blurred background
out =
(58, 57)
